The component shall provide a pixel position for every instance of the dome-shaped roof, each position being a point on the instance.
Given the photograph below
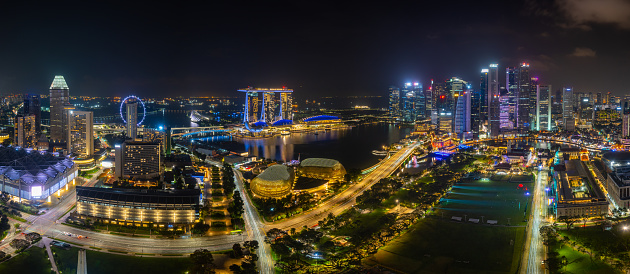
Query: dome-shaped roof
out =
(319, 162)
(276, 181)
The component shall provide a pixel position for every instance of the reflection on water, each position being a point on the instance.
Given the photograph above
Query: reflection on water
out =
(352, 147)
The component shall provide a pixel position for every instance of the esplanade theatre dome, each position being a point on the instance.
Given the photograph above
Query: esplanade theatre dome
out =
(322, 168)
(274, 182)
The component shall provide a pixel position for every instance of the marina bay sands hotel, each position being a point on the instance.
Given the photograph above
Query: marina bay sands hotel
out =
(268, 107)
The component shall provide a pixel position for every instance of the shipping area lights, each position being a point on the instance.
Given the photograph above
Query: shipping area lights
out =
(124, 101)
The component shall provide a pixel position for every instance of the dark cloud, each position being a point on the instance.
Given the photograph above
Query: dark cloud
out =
(582, 13)
(583, 52)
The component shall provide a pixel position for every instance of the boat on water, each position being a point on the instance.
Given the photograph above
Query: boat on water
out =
(285, 132)
(380, 152)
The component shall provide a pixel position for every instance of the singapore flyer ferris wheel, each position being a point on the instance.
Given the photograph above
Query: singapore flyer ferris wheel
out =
(133, 98)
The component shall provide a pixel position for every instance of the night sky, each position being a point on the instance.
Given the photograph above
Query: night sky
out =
(317, 48)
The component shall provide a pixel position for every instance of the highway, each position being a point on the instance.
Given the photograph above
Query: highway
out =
(534, 252)
(347, 199)
(255, 228)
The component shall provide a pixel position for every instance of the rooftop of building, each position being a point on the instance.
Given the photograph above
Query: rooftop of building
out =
(59, 83)
(153, 196)
(31, 166)
(319, 162)
(576, 183)
(275, 173)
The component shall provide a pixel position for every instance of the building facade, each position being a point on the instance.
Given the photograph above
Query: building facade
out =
(81, 133)
(32, 106)
(492, 87)
(543, 108)
(59, 98)
(138, 160)
(25, 131)
(33, 175)
(144, 208)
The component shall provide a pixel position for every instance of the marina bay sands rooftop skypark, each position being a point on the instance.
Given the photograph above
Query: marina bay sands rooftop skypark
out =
(250, 89)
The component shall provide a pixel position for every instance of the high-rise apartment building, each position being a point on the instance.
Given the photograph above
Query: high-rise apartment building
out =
(32, 106)
(543, 108)
(81, 133)
(25, 131)
(59, 98)
(138, 160)
(132, 120)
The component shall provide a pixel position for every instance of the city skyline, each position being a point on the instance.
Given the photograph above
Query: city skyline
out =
(317, 49)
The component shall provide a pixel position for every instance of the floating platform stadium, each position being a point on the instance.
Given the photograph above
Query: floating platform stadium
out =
(37, 175)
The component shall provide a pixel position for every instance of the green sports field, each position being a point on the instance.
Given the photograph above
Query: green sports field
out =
(438, 244)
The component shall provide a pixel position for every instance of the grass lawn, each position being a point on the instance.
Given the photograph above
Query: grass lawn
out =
(32, 261)
(369, 221)
(98, 262)
(66, 259)
(439, 246)
(599, 239)
(582, 262)
(495, 200)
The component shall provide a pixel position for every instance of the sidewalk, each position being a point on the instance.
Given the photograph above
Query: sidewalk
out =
(46, 242)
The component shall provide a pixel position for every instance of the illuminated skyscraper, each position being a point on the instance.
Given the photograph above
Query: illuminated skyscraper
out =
(81, 133)
(492, 88)
(394, 102)
(543, 108)
(59, 97)
(132, 119)
(533, 99)
(522, 98)
(479, 110)
(25, 131)
(463, 114)
(567, 109)
(625, 124)
(511, 86)
(420, 102)
(32, 106)
(253, 107)
(269, 106)
(286, 105)
(409, 102)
